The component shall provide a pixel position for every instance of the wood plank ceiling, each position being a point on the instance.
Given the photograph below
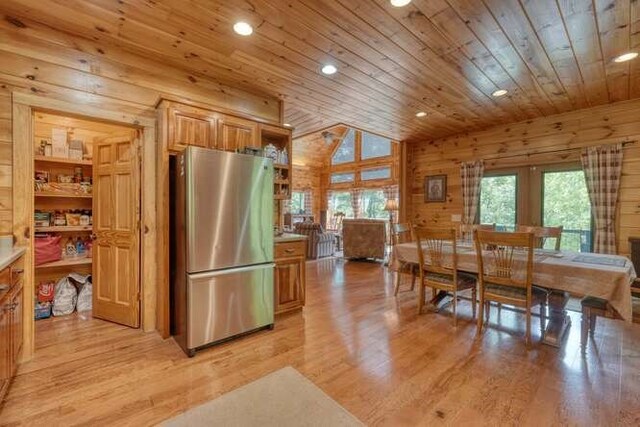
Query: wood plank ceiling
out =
(443, 57)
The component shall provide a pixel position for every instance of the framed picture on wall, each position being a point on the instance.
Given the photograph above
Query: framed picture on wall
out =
(435, 188)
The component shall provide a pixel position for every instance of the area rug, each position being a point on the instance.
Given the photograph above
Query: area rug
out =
(282, 398)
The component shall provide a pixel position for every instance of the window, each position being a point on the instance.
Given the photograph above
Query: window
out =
(297, 202)
(341, 177)
(565, 202)
(375, 146)
(373, 202)
(340, 201)
(379, 173)
(498, 201)
(345, 152)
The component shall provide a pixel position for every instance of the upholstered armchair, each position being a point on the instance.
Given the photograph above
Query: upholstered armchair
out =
(320, 243)
(364, 238)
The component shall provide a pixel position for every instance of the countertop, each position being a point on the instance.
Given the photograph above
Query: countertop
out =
(290, 237)
(6, 258)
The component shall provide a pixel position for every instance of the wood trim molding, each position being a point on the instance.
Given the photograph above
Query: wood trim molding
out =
(22, 120)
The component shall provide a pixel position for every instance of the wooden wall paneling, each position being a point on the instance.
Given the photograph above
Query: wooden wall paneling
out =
(6, 169)
(308, 178)
(22, 121)
(533, 142)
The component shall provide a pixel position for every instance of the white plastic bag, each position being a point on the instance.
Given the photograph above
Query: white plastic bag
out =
(64, 298)
(84, 297)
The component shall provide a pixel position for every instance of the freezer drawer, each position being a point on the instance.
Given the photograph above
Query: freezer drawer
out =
(224, 303)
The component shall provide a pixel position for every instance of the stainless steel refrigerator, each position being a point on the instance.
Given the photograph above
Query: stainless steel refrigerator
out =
(221, 246)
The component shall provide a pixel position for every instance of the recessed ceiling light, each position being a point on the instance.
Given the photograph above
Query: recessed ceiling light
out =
(329, 69)
(499, 92)
(421, 114)
(243, 28)
(400, 3)
(626, 57)
(287, 125)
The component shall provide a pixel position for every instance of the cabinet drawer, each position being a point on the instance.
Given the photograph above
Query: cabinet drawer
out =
(290, 249)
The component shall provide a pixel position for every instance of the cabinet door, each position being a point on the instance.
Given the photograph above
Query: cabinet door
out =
(236, 134)
(5, 344)
(16, 326)
(289, 284)
(191, 128)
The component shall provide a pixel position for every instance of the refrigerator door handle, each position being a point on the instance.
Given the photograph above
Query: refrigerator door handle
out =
(206, 275)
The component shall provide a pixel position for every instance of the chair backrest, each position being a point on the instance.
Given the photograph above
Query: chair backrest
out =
(401, 233)
(505, 258)
(466, 230)
(541, 234)
(437, 250)
(308, 228)
(336, 221)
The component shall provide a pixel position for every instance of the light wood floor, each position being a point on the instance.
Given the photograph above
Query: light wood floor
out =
(365, 349)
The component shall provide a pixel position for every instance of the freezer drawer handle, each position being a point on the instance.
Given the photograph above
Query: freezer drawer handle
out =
(231, 270)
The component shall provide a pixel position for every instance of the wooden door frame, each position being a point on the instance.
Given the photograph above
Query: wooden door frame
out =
(23, 107)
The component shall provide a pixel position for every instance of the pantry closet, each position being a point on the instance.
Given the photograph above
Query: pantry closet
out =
(86, 202)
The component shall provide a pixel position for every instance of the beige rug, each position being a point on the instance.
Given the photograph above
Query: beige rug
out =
(282, 398)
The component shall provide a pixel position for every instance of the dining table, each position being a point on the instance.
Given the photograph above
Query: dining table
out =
(563, 273)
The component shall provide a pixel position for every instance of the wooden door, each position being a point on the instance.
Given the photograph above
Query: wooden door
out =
(235, 134)
(289, 284)
(116, 213)
(191, 128)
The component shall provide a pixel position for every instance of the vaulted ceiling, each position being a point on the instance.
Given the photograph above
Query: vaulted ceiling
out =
(443, 57)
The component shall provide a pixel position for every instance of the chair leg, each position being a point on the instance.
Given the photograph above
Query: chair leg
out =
(480, 312)
(413, 280)
(584, 330)
(474, 295)
(420, 297)
(396, 286)
(455, 307)
(543, 313)
(488, 309)
(592, 322)
(527, 338)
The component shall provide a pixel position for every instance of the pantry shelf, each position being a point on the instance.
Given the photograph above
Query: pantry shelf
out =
(62, 229)
(66, 263)
(62, 160)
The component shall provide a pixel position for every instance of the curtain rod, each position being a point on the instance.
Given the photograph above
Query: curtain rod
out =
(624, 144)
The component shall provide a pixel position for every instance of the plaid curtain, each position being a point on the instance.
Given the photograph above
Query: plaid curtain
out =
(356, 202)
(471, 176)
(308, 202)
(602, 168)
(391, 193)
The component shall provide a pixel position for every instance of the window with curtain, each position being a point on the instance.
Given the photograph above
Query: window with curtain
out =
(372, 204)
(297, 202)
(340, 201)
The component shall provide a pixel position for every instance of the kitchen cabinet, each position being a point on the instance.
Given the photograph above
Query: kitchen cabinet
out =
(191, 126)
(11, 324)
(290, 275)
(234, 133)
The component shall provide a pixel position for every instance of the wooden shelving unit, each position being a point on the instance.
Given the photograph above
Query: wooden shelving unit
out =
(64, 196)
(64, 229)
(67, 262)
(63, 161)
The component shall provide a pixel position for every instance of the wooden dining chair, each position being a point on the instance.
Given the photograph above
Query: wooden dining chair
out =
(402, 233)
(505, 272)
(438, 269)
(542, 234)
(466, 230)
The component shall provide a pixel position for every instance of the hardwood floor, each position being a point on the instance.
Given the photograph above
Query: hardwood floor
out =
(370, 352)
